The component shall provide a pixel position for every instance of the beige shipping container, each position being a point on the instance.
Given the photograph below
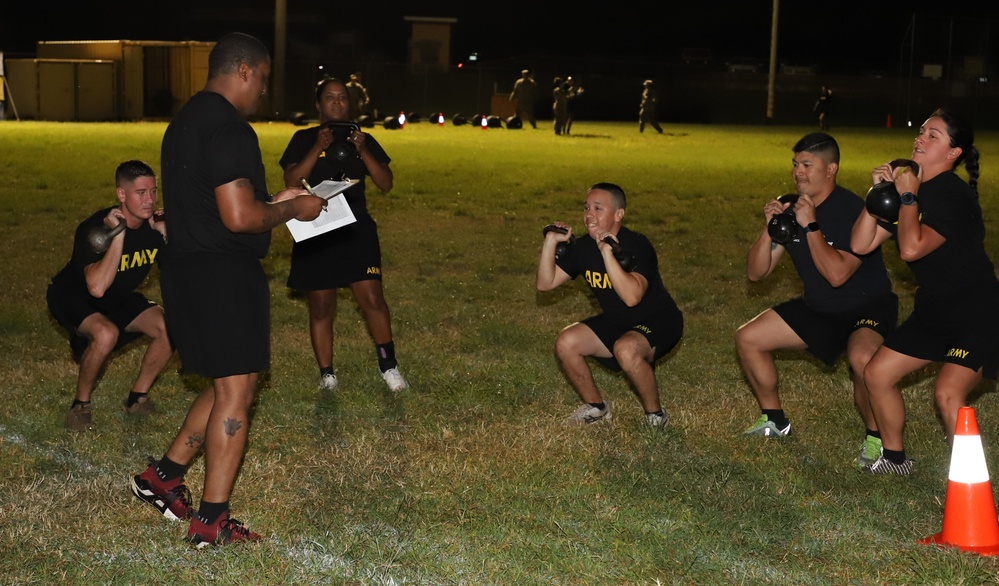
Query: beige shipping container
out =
(149, 79)
(64, 89)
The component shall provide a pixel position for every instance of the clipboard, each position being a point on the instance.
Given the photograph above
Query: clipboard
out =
(336, 213)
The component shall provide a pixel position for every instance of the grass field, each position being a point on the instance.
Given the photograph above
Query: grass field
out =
(471, 477)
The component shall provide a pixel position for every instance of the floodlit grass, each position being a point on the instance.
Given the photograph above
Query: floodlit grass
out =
(471, 477)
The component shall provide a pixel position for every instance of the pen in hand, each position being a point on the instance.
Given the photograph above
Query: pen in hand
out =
(308, 188)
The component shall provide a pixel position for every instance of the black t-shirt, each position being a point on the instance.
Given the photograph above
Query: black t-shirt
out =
(208, 144)
(836, 216)
(948, 205)
(584, 258)
(329, 167)
(139, 252)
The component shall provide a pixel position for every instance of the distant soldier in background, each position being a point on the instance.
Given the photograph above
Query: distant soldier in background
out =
(357, 96)
(572, 91)
(821, 107)
(523, 96)
(647, 111)
(560, 105)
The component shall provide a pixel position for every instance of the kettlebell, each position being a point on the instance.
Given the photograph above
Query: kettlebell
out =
(562, 247)
(783, 227)
(99, 238)
(625, 258)
(342, 149)
(883, 199)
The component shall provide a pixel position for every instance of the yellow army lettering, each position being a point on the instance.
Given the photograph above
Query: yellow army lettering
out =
(867, 322)
(374, 270)
(958, 353)
(643, 329)
(137, 259)
(598, 280)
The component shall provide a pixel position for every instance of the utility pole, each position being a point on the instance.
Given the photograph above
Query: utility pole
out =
(280, 44)
(772, 86)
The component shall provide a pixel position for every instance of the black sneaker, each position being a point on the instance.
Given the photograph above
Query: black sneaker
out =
(885, 466)
(173, 501)
(222, 532)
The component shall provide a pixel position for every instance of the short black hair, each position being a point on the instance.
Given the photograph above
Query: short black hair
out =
(232, 50)
(321, 86)
(129, 171)
(819, 143)
(617, 194)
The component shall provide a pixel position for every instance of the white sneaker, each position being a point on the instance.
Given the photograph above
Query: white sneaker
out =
(587, 413)
(657, 420)
(394, 380)
(328, 382)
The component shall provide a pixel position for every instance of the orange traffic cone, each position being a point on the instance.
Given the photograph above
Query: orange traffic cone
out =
(970, 523)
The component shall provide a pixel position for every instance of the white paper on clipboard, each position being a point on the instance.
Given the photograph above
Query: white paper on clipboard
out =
(336, 215)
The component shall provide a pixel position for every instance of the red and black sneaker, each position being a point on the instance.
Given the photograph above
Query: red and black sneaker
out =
(171, 499)
(222, 532)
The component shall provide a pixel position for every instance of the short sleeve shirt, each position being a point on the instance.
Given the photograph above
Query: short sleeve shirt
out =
(214, 145)
(836, 216)
(329, 167)
(584, 259)
(139, 253)
(949, 206)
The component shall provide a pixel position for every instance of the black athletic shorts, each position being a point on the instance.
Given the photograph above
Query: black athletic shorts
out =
(338, 258)
(70, 310)
(218, 313)
(826, 334)
(962, 331)
(663, 333)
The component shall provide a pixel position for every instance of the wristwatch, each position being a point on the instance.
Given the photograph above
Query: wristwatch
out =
(812, 227)
(907, 199)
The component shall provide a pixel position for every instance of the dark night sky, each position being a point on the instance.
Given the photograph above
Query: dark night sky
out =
(810, 32)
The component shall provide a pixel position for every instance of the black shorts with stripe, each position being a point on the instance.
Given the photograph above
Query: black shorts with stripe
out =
(663, 331)
(962, 330)
(338, 258)
(70, 309)
(827, 334)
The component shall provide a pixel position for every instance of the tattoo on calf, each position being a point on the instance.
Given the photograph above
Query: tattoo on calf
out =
(194, 440)
(232, 426)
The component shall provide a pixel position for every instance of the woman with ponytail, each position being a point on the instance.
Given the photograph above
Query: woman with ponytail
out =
(940, 234)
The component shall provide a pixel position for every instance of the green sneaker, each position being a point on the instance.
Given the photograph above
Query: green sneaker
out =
(767, 428)
(870, 451)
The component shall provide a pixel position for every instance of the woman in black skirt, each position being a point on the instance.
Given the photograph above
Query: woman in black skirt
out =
(349, 256)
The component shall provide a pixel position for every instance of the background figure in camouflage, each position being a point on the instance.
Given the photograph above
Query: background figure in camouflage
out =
(647, 111)
(560, 107)
(523, 96)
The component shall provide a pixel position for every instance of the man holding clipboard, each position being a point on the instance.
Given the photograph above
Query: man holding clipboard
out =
(348, 255)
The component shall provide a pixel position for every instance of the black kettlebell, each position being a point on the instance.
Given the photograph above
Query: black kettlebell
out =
(624, 258)
(99, 238)
(342, 149)
(883, 199)
(562, 247)
(783, 227)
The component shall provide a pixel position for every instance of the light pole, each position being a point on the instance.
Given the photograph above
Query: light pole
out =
(772, 86)
(280, 43)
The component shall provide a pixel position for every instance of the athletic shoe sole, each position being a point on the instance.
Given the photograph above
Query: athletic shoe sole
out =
(148, 496)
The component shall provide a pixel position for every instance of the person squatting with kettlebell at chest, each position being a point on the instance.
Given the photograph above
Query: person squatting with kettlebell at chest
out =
(936, 221)
(349, 256)
(640, 323)
(847, 302)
